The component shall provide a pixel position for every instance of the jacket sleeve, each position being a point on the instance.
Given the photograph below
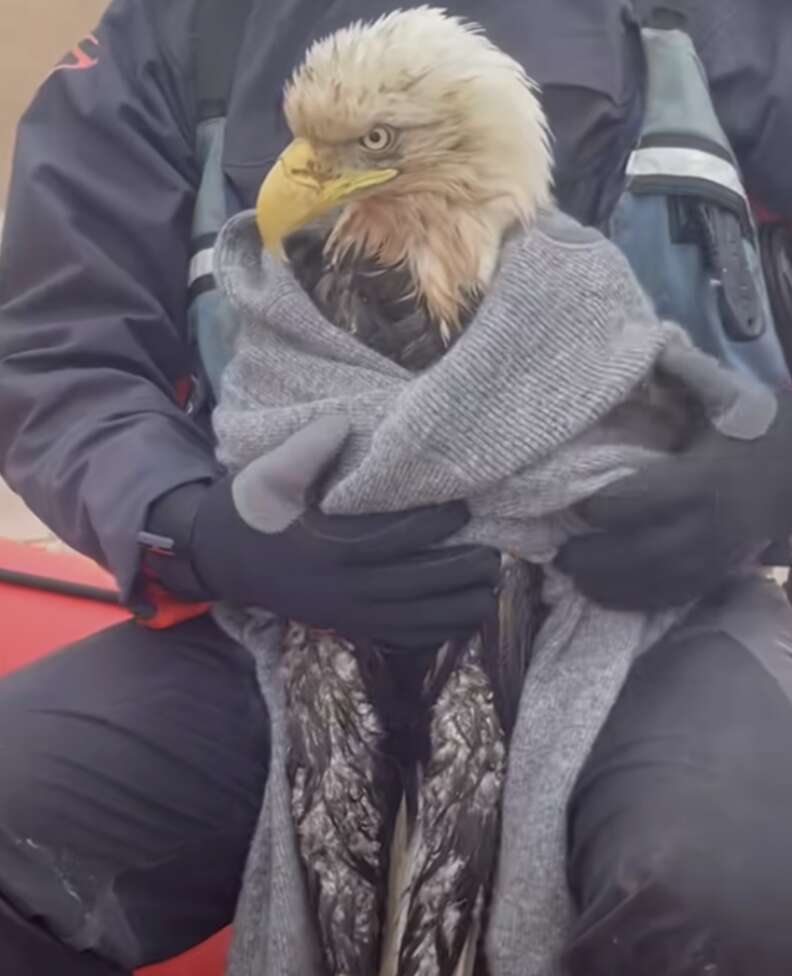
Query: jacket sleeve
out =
(93, 274)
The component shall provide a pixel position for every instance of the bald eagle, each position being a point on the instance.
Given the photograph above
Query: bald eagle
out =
(418, 146)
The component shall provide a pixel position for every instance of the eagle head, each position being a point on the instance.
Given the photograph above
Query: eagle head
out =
(421, 143)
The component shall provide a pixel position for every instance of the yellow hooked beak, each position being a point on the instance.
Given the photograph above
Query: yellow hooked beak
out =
(297, 190)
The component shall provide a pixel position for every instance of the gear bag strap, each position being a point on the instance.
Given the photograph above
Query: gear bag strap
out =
(775, 247)
(684, 220)
(218, 29)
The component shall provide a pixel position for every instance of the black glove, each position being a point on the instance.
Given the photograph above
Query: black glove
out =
(255, 539)
(676, 530)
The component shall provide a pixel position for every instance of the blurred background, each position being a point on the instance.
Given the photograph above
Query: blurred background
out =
(34, 35)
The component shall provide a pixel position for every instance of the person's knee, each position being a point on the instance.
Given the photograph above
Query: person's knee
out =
(683, 892)
(27, 948)
(116, 779)
(679, 856)
(56, 889)
(97, 903)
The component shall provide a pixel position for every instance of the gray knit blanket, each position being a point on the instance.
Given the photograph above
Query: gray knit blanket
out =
(558, 386)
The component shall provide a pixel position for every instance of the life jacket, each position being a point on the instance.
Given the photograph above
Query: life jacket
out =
(683, 220)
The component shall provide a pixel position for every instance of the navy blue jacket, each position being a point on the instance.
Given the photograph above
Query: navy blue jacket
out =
(94, 263)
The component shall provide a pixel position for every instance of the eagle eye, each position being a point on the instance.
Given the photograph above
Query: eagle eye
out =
(379, 139)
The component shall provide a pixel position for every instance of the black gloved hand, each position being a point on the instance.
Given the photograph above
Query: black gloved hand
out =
(254, 539)
(673, 532)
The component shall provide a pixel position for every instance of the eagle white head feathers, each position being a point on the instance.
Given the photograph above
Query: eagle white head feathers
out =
(431, 141)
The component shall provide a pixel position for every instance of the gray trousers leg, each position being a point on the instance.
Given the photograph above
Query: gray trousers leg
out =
(132, 767)
(680, 827)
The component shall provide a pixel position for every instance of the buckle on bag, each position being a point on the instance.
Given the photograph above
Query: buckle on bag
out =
(731, 274)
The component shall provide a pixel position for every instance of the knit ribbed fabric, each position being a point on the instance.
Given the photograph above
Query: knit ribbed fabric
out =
(544, 400)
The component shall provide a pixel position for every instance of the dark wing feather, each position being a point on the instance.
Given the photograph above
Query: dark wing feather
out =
(344, 793)
(456, 831)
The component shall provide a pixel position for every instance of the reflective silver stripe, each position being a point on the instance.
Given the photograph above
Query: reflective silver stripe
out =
(201, 265)
(690, 163)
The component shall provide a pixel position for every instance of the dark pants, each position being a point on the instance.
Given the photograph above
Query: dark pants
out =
(132, 767)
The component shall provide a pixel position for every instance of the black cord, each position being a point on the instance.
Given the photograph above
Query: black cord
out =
(48, 584)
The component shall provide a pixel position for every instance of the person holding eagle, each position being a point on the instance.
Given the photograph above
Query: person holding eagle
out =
(136, 762)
